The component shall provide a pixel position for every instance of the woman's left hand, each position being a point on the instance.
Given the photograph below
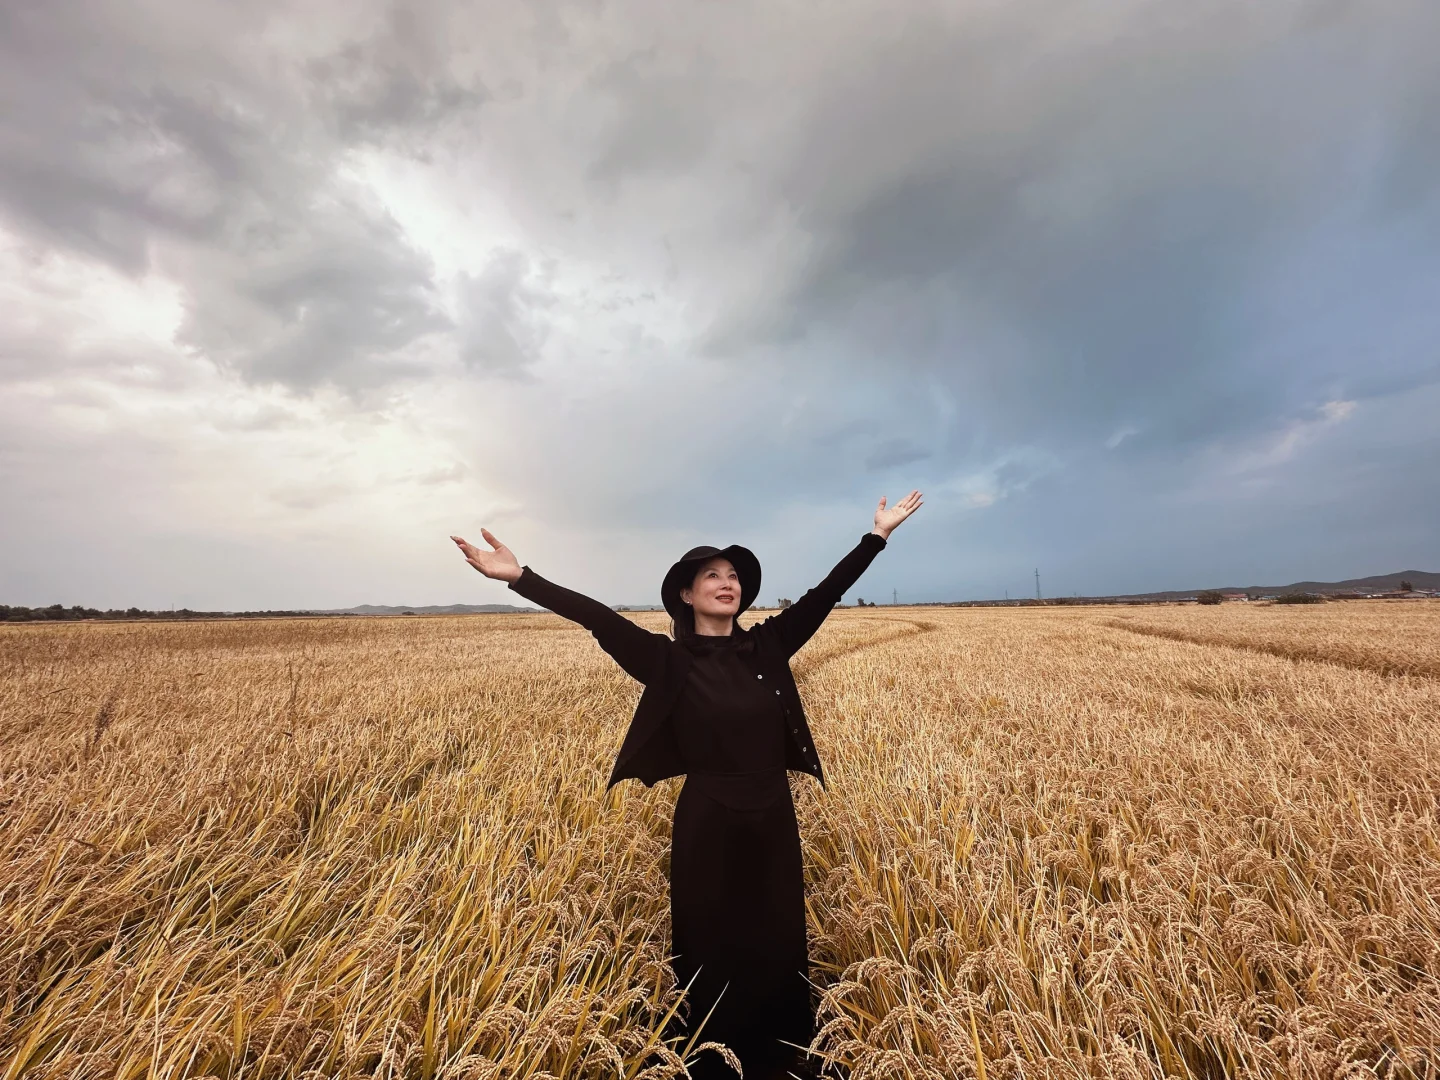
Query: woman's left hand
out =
(886, 520)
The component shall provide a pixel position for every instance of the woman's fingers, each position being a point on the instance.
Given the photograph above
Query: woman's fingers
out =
(472, 555)
(905, 507)
(909, 502)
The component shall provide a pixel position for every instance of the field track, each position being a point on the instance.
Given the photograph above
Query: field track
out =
(1197, 842)
(1401, 644)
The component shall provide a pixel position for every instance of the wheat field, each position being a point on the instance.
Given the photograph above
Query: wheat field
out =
(1063, 842)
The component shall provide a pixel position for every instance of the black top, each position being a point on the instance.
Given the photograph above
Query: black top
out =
(650, 752)
(727, 719)
(730, 723)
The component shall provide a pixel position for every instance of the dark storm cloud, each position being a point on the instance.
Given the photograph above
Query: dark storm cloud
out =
(893, 453)
(334, 295)
(1091, 244)
(504, 321)
(1058, 263)
(129, 140)
(1083, 234)
(395, 82)
(662, 108)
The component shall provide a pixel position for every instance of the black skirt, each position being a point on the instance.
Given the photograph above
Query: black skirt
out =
(737, 909)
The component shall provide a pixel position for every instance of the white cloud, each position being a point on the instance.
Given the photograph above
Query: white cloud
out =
(1281, 447)
(1120, 435)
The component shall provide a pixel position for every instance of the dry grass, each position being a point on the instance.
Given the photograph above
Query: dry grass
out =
(1051, 847)
(1391, 637)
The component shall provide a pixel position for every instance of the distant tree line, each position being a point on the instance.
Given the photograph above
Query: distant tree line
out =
(60, 613)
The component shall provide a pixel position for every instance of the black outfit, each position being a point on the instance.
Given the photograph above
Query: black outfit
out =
(726, 712)
(737, 883)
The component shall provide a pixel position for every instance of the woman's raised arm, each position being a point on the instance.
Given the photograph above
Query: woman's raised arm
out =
(637, 650)
(797, 624)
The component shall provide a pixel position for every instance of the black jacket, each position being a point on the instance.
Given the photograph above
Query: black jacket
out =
(650, 752)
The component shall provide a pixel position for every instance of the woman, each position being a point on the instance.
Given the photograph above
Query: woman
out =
(720, 706)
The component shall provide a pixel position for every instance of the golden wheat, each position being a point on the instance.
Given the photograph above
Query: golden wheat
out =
(1051, 846)
(1392, 637)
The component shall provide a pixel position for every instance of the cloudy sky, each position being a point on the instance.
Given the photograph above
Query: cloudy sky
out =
(1144, 293)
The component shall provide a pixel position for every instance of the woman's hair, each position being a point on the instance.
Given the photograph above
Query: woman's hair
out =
(682, 626)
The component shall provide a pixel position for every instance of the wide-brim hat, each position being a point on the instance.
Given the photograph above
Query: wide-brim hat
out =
(682, 575)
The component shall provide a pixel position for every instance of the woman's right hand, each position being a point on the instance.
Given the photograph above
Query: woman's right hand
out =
(499, 564)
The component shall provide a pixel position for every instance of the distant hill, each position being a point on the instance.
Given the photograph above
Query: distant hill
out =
(1419, 579)
(430, 609)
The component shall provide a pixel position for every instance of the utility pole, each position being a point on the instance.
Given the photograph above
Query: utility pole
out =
(1037, 583)
(895, 597)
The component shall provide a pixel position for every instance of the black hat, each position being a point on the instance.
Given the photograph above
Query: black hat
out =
(682, 574)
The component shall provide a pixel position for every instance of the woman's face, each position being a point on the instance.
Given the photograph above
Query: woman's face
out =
(715, 590)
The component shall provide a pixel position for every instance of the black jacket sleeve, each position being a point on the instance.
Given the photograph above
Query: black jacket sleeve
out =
(638, 651)
(797, 624)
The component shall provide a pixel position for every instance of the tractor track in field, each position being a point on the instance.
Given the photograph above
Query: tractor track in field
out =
(1316, 654)
(904, 628)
